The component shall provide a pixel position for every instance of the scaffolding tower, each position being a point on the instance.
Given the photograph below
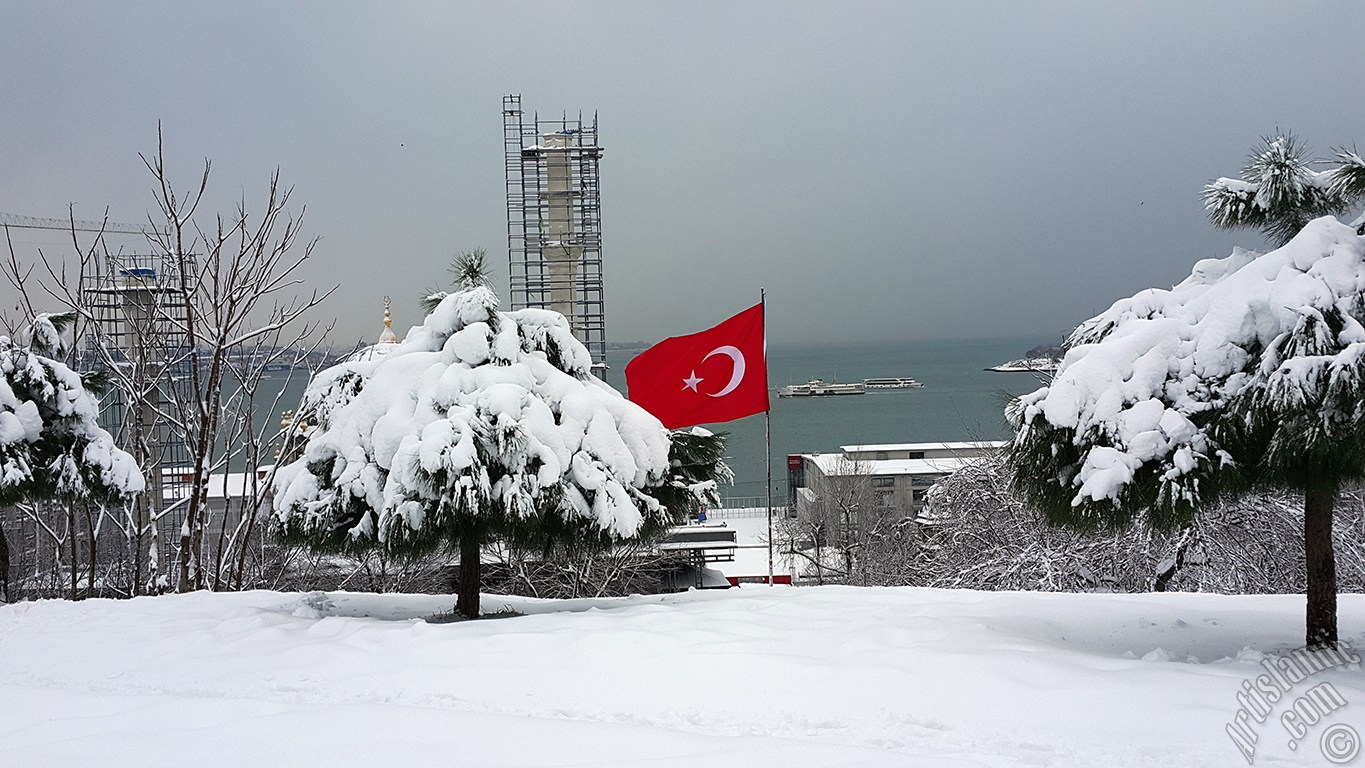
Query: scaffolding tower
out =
(554, 224)
(141, 310)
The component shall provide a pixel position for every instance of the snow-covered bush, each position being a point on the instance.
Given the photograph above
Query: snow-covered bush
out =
(480, 425)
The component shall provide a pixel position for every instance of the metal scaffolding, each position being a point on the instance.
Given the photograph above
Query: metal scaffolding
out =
(140, 308)
(554, 234)
(141, 311)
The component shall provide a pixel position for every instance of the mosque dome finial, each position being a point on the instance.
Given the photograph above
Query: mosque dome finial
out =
(387, 336)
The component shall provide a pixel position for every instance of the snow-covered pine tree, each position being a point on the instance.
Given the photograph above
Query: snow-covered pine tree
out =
(480, 425)
(1280, 192)
(1248, 374)
(51, 445)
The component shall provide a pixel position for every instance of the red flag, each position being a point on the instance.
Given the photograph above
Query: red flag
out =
(720, 374)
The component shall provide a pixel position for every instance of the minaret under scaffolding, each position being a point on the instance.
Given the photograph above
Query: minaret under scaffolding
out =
(554, 235)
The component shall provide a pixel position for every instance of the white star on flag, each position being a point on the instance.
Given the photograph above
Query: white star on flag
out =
(692, 381)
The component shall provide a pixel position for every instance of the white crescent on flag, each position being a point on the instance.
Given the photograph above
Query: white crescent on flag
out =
(737, 376)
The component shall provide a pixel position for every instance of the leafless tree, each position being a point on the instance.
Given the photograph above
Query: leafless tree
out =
(978, 535)
(805, 538)
(984, 537)
(186, 336)
(890, 552)
(846, 529)
(247, 446)
(578, 568)
(241, 285)
(5, 594)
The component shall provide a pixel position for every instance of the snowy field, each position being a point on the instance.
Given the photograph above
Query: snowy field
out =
(759, 676)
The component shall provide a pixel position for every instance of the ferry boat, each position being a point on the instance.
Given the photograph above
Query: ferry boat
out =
(893, 382)
(820, 388)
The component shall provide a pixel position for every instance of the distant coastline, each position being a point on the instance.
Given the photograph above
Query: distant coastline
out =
(1028, 365)
(1046, 358)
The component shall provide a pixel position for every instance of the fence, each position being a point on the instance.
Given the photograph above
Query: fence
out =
(747, 506)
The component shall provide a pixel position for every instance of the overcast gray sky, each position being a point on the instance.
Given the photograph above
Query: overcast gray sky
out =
(887, 170)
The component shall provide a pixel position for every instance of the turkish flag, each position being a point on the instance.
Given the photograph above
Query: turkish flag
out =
(720, 374)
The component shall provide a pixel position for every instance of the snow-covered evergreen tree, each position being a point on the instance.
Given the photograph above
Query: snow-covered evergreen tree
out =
(1249, 374)
(481, 424)
(1280, 192)
(51, 445)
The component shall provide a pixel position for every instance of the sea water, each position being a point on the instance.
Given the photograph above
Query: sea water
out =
(960, 400)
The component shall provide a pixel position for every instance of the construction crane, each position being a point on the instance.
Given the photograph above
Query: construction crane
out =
(16, 221)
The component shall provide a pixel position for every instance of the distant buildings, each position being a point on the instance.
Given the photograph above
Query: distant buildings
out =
(833, 496)
(881, 479)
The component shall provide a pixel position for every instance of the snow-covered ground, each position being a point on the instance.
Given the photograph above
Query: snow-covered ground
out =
(759, 676)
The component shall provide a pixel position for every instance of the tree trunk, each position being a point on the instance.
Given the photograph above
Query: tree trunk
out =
(819, 555)
(239, 569)
(848, 546)
(75, 556)
(1164, 577)
(137, 535)
(4, 563)
(92, 547)
(183, 585)
(467, 600)
(221, 543)
(1322, 570)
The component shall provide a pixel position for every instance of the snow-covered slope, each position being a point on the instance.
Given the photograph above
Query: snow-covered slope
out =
(753, 677)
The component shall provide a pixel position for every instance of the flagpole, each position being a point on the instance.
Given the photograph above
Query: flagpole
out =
(767, 437)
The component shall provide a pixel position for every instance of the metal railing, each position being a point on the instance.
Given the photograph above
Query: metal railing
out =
(747, 506)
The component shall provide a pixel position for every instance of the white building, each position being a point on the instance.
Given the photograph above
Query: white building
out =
(892, 478)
